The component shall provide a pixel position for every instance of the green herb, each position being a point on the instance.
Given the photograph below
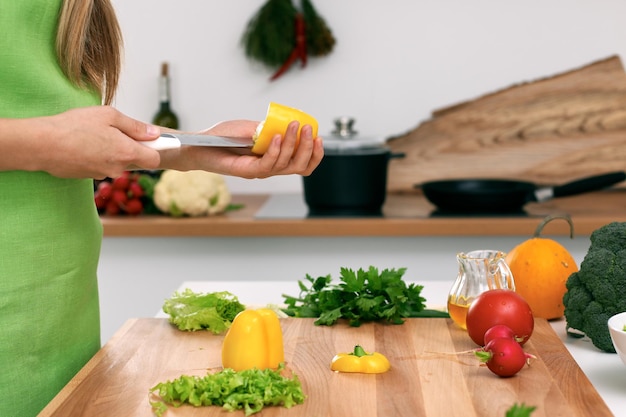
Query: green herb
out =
(269, 36)
(248, 390)
(520, 410)
(319, 38)
(197, 311)
(234, 207)
(147, 183)
(361, 296)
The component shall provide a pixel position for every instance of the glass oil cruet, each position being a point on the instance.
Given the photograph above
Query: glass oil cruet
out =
(479, 271)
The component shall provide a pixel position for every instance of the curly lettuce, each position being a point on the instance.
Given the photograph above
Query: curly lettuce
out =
(249, 390)
(190, 311)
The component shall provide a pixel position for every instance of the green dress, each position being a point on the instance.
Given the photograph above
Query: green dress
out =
(50, 233)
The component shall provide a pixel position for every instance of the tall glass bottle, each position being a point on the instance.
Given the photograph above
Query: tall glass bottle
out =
(165, 117)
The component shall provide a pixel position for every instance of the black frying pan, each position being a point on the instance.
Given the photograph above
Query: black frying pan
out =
(505, 196)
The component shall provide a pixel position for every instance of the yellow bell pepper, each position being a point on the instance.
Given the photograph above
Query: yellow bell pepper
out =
(276, 121)
(360, 361)
(254, 340)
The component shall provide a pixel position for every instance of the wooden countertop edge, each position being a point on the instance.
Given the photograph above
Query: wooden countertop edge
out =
(412, 222)
(339, 227)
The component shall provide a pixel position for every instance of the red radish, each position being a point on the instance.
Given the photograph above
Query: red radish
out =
(119, 197)
(504, 356)
(105, 190)
(100, 202)
(133, 206)
(135, 189)
(498, 331)
(121, 183)
(112, 208)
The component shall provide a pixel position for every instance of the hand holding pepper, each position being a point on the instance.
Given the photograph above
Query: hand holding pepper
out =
(360, 361)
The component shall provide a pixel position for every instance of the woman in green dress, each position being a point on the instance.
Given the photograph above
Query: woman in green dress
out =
(59, 67)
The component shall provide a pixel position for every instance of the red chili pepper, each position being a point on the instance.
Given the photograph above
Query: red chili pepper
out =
(299, 51)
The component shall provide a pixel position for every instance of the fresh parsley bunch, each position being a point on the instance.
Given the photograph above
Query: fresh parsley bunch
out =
(361, 296)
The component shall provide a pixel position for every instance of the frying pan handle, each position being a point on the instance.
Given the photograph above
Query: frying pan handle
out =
(594, 183)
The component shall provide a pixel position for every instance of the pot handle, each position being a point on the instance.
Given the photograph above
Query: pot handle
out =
(397, 155)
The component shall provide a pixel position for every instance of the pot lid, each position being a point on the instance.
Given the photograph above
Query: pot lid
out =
(345, 139)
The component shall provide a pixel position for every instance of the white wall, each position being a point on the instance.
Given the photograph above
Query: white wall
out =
(394, 62)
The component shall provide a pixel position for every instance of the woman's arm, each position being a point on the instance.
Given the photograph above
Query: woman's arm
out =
(98, 142)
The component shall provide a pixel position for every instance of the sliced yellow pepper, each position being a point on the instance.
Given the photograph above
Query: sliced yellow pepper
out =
(360, 361)
(254, 340)
(276, 121)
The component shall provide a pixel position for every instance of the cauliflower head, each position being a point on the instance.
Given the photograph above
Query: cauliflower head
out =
(191, 193)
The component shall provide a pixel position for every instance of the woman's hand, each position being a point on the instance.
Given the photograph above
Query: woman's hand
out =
(280, 158)
(91, 142)
(103, 141)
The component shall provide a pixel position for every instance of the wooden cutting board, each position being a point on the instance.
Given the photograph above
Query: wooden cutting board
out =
(425, 379)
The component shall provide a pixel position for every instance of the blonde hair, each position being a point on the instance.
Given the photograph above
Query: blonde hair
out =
(89, 45)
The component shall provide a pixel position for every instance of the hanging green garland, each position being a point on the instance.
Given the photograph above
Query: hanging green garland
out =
(319, 38)
(269, 35)
(279, 34)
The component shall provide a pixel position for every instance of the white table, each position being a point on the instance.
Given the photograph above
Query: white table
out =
(606, 371)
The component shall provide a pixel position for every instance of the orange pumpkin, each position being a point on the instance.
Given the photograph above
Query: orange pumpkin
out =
(540, 268)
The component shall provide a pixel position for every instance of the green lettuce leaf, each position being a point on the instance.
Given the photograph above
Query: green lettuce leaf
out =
(248, 390)
(190, 311)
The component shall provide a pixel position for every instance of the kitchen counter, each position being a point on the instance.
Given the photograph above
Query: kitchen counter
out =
(403, 215)
(117, 374)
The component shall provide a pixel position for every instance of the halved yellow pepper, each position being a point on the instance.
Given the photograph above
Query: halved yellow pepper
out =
(276, 121)
(360, 361)
(254, 340)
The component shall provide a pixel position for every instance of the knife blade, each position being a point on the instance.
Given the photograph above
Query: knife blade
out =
(176, 140)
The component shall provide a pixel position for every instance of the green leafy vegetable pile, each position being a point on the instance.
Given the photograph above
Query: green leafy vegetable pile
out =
(192, 311)
(361, 296)
(248, 390)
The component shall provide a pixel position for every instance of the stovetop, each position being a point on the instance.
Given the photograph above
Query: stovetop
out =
(293, 206)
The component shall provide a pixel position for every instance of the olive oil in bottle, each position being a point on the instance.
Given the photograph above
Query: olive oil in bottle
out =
(165, 117)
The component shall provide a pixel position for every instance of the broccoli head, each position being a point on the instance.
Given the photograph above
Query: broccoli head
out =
(598, 290)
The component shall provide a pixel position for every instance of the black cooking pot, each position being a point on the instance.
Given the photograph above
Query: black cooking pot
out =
(351, 180)
(505, 196)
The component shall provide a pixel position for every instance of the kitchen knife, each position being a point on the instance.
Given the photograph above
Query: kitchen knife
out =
(176, 140)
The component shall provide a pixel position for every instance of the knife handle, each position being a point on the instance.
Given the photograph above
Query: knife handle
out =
(162, 142)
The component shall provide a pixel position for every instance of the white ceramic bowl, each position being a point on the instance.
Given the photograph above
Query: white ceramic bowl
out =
(618, 335)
